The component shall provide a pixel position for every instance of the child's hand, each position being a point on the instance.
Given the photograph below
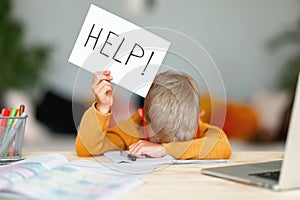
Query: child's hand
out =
(102, 89)
(144, 148)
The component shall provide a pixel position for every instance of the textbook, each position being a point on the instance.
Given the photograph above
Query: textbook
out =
(52, 176)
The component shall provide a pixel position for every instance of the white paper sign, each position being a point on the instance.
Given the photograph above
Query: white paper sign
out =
(132, 54)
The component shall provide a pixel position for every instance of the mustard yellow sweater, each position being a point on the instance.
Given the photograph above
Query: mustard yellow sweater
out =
(94, 138)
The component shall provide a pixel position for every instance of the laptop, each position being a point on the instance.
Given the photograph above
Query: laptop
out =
(277, 175)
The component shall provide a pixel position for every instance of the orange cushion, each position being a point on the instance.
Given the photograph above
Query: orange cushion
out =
(241, 121)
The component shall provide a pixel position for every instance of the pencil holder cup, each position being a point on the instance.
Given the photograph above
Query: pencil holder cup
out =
(12, 136)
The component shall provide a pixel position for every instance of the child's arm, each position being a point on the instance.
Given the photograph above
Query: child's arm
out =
(90, 139)
(94, 137)
(94, 122)
(102, 89)
(213, 144)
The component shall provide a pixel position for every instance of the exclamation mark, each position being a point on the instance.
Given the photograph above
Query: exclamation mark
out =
(147, 63)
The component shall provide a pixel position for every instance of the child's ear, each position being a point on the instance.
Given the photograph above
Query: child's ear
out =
(202, 112)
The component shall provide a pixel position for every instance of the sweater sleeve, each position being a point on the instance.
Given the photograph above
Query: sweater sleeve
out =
(213, 144)
(94, 137)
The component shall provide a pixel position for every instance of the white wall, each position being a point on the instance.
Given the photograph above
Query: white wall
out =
(234, 32)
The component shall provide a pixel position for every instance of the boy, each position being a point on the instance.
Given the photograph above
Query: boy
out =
(169, 123)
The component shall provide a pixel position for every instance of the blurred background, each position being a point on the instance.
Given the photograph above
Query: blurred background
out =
(254, 44)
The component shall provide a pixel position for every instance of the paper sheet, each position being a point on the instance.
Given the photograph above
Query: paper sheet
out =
(116, 157)
(131, 53)
(114, 169)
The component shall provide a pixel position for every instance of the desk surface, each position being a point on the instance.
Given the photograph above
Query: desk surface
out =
(187, 182)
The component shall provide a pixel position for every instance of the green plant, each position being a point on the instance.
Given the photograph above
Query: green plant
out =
(289, 75)
(20, 66)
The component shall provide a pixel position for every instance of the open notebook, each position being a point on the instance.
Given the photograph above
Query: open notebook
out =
(51, 176)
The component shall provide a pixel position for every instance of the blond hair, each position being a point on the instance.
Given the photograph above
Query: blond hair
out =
(172, 107)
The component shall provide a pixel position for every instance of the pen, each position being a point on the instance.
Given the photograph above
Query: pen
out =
(10, 122)
(5, 113)
(10, 149)
(16, 115)
(3, 122)
(129, 156)
(22, 109)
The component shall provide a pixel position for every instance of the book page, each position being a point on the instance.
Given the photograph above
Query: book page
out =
(48, 160)
(29, 167)
(69, 182)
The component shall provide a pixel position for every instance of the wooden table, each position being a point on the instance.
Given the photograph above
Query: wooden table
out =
(187, 182)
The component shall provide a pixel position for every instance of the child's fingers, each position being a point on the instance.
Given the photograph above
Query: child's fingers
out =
(134, 148)
(103, 87)
(137, 148)
(102, 91)
(144, 148)
(101, 76)
(103, 84)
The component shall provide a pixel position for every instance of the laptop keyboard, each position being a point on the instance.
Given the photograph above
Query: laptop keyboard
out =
(269, 175)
